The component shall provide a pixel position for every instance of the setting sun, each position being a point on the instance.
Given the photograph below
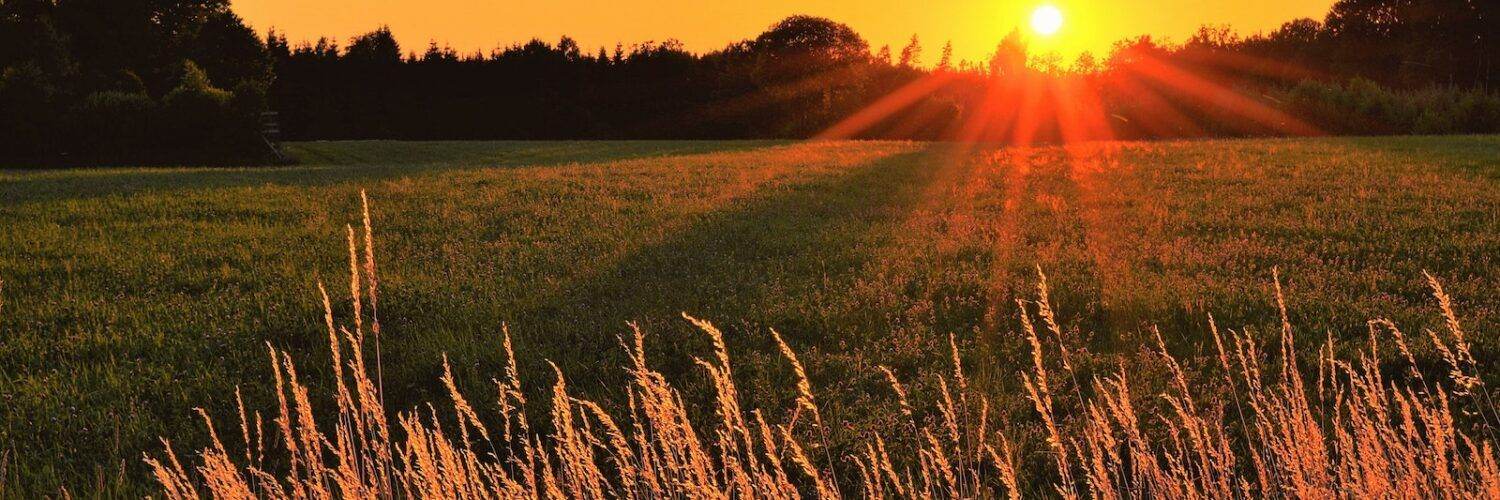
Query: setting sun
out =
(1046, 20)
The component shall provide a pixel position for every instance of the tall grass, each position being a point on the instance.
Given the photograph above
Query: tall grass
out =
(1274, 427)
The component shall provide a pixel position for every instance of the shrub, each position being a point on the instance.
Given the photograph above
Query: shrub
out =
(1363, 107)
(113, 124)
(196, 115)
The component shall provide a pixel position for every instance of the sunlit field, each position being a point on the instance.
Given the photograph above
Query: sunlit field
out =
(128, 297)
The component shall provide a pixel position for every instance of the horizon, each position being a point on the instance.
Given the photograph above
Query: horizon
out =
(974, 27)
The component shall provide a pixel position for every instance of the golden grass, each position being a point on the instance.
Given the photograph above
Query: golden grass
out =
(1263, 433)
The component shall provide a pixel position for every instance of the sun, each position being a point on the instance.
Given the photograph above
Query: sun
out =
(1046, 20)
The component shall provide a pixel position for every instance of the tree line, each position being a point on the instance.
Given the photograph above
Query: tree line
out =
(92, 81)
(101, 81)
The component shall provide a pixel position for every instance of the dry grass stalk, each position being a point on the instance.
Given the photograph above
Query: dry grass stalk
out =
(1359, 436)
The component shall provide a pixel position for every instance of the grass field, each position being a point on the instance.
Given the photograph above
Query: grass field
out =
(131, 296)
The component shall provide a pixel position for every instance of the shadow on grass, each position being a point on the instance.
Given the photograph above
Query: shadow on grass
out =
(747, 267)
(88, 383)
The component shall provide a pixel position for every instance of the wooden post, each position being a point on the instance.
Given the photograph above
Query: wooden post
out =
(270, 132)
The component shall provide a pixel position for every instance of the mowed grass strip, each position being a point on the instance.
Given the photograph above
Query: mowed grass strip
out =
(123, 310)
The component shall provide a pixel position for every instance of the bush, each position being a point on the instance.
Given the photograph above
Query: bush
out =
(113, 124)
(196, 115)
(1364, 107)
(118, 122)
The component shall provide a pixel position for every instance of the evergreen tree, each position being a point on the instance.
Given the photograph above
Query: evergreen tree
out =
(945, 60)
(911, 54)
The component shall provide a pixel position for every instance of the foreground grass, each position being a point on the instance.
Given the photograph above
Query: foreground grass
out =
(132, 296)
(1349, 434)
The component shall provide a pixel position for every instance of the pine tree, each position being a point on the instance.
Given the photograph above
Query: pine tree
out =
(945, 61)
(911, 55)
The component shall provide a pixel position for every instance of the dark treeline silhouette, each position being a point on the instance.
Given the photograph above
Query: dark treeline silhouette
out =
(97, 80)
(1374, 66)
(102, 81)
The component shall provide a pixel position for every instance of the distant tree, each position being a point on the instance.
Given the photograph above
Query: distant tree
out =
(378, 47)
(435, 54)
(30, 35)
(325, 49)
(1010, 55)
(1301, 32)
(945, 60)
(814, 38)
(1294, 51)
(1413, 41)
(151, 37)
(799, 51)
(884, 55)
(277, 46)
(1129, 52)
(77, 76)
(1362, 19)
(670, 51)
(229, 51)
(1085, 63)
(569, 49)
(1049, 62)
(1213, 37)
(911, 54)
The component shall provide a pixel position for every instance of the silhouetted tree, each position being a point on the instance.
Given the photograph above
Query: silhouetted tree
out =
(80, 79)
(376, 47)
(1213, 37)
(1411, 41)
(229, 51)
(1138, 50)
(911, 54)
(813, 38)
(1010, 56)
(437, 54)
(1085, 63)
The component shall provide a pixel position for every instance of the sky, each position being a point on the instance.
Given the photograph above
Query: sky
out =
(973, 26)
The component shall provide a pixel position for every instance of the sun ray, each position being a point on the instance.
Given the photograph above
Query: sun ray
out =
(1080, 114)
(1221, 98)
(887, 106)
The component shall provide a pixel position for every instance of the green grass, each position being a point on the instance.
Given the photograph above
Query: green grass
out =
(131, 296)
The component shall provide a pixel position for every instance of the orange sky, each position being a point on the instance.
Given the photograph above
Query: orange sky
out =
(974, 26)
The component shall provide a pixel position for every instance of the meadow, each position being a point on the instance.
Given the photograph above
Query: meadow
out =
(132, 296)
